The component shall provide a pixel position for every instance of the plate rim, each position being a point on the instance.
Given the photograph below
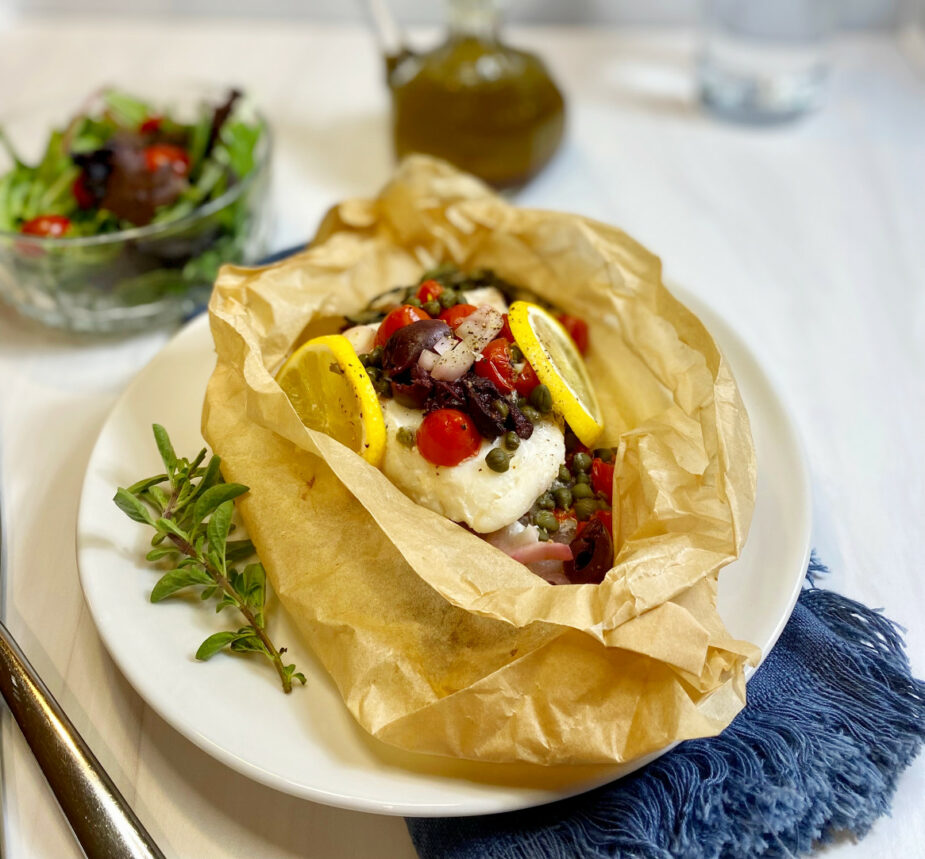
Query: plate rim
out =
(471, 806)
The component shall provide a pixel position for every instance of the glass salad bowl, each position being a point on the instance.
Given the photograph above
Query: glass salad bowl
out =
(93, 270)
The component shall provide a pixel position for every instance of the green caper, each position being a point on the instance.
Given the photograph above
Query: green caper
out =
(431, 308)
(374, 374)
(603, 453)
(497, 460)
(516, 355)
(541, 399)
(502, 408)
(531, 414)
(542, 535)
(564, 474)
(546, 501)
(585, 508)
(448, 298)
(414, 301)
(511, 440)
(582, 477)
(581, 462)
(546, 520)
(383, 387)
(375, 357)
(405, 436)
(563, 498)
(582, 490)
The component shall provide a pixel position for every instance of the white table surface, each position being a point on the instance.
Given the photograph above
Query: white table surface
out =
(808, 238)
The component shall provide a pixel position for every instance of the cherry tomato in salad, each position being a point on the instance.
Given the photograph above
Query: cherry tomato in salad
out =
(506, 330)
(398, 318)
(447, 437)
(82, 194)
(577, 329)
(602, 478)
(496, 365)
(527, 380)
(47, 226)
(454, 315)
(428, 291)
(175, 157)
(151, 125)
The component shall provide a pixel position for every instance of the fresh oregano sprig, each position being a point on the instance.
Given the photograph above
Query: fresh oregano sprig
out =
(190, 508)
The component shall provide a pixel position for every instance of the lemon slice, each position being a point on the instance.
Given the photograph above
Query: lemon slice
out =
(559, 366)
(332, 393)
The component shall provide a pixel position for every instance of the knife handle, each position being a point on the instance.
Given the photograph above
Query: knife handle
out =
(103, 823)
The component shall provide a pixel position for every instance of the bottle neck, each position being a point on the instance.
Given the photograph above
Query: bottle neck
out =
(474, 19)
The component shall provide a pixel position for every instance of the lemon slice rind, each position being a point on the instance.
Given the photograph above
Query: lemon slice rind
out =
(331, 392)
(559, 366)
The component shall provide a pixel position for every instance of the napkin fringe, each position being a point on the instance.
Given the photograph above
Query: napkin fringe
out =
(834, 716)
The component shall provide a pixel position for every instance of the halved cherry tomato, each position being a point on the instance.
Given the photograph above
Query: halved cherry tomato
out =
(602, 478)
(428, 291)
(577, 330)
(82, 194)
(496, 365)
(527, 380)
(447, 437)
(455, 314)
(175, 157)
(398, 318)
(48, 226)
(506, 330)
(151, 125)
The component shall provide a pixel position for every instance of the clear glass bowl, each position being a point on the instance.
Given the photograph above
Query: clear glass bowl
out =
(139, 278)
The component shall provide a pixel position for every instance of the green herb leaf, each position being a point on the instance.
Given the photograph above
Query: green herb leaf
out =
(132, 507)
(214, 496)
(165, 448)
(176, 580)
(214, 643)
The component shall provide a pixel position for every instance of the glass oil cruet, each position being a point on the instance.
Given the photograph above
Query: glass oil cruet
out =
(490, 109)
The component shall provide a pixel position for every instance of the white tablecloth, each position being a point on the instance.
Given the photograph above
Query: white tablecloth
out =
(808, 238)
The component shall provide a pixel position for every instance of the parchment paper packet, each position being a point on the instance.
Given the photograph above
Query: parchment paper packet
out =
(439, 642)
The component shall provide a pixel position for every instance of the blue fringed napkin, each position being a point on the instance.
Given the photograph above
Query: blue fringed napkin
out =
(833, 716)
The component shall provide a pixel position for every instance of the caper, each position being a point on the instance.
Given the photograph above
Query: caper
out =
(497, 460)
(603, 453)
(374, 374)
(581, 461)
(546, 520)
(414, 301)
(375, 357)
(582, 490)
(383, 387)
(448, 298)
(542, 535)
(431, 308)
(541, 399)
(546, 501)
(564, 474)
(585, 508)
(502, 408)
(405, 436)
(531, 414)
(582, 477)
(521, 402)
(563, 498)
(516, 355)
(511, 440)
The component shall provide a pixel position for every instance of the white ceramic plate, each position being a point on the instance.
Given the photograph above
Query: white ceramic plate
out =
(306, 743)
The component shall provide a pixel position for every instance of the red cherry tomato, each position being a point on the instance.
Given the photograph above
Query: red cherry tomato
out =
(428, 291)
(496, 365)
(577, 330)
(447, 437)
(48, 226)
(82, 194)
(602, 478)
(398, 318)
(175, 157)
(527, 380)
(151, 125)
(455, 314)
(506, 330)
